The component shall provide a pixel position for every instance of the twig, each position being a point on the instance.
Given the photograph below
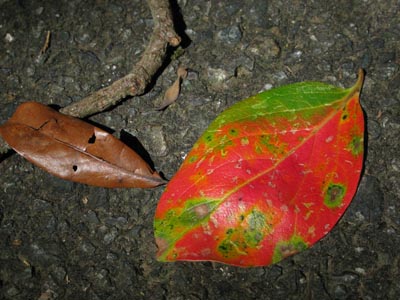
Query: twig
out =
(46, 44)
(136, 81)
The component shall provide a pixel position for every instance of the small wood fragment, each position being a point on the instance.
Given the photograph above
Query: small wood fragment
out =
(172, 92)
(46, 44)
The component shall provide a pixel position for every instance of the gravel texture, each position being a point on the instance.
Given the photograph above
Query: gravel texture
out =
(62, 240)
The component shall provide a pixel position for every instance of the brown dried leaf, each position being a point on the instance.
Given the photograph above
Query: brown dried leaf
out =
(172, 92)
(75, 150)
(182, 73)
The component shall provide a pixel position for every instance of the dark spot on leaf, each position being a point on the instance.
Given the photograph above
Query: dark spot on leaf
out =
(265, 139)
(75, 168)
(208, 138)
(233, 132)
(92, 139)
(344, 117)
(334, 195)
(225, 248)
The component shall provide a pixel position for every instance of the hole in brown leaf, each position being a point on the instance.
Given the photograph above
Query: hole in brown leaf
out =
(92, 139)
(75, 168)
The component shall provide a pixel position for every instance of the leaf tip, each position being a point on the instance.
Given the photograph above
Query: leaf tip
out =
(360, 80)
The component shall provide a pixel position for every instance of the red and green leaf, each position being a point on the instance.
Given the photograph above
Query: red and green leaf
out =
(270, 177)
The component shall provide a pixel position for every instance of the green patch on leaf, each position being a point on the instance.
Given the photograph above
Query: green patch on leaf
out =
(177, 221)
(230, 248)
(255, 231)
(334, 195)
(209, 138)
(356, 145)
(192, 159)
(249, 234)
(287, 248)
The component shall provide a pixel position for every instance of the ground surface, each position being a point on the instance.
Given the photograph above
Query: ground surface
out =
(61, 240)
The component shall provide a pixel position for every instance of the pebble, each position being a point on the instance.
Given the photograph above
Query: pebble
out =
(126, 34)
(110, 236)
(40, 205)
(264, 47)
(9, 38)
(266, 87)
(26, 274)
(388, 71)
(134, 233)
(257, 13)
(230, 35)
(58, 273)
(395, 164)
(111, 256)
(387, 57)
(117, 9)
(63, 36)
(217, 75)
(12, 292)
(245, 62)
(279, 76)
(350, 277)
(374, 129)
(102, 278)
(84, 38)
(39, 10)
(360, 271)
(348, 70)
(388, 101)
(91, 217)
(154, 140)
(116, 221)
(39, 256)
(87, 247)
(30, 71)
(340, 292)
(366, 60)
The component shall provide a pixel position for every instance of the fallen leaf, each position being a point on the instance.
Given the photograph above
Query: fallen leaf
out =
(270, 177)
(172, 92)
(182, 73)
(75, 150)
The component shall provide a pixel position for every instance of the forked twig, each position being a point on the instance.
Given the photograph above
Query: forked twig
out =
(136, 81)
